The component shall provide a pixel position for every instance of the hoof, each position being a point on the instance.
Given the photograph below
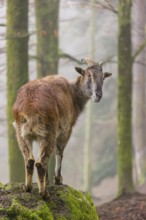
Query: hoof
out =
(38, 165)
(27, 188)
(30, 163)
(58, 180)
(41, 171)
(45, 195)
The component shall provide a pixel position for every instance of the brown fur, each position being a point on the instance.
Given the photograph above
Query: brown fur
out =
(46, 110)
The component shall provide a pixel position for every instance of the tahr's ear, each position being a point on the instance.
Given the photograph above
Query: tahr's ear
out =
(80, 70)
(106, 74)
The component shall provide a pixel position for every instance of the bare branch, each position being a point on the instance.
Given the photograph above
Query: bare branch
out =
(3, 25)
(107, 5)
(68, 56)
(138, 51)
(61, 55)
(141, 63)
(98, 3)
(109, 59)
(111, 7)
(35, 58)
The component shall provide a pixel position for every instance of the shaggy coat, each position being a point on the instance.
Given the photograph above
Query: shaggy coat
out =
(46, 110)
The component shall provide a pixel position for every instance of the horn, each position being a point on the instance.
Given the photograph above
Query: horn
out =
(88, 61)
(100, 63)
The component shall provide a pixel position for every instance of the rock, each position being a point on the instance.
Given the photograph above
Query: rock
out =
(65, 203)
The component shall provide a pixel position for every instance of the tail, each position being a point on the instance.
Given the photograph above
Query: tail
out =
(27, 123)
(31, 122)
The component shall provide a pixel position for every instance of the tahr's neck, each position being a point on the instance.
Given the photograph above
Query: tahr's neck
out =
(79, 96)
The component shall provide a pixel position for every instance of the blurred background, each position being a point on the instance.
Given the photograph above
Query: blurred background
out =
(81, 28)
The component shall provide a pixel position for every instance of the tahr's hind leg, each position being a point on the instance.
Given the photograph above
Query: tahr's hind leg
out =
(25, 145)
(46, 148)
(29, 173)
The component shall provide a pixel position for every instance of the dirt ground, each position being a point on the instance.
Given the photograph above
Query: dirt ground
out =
(129, 207)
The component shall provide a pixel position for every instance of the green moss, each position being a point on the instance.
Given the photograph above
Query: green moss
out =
(79, 204)
(65, 203)
(17, 211)
(13, 186)
(44, 212)
(59, 217)
(1, 185)
(4, 218)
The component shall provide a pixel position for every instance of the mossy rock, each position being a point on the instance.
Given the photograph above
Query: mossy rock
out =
(65, 203)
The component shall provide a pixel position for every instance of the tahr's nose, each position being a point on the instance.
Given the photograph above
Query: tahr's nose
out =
(98, 94)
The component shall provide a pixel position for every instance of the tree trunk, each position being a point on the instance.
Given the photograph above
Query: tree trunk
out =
(125, 179)
(47, 13)
(17, 74)
(139, 95)
(88, 120)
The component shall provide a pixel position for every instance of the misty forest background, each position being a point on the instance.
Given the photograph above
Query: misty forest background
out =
(107, 150)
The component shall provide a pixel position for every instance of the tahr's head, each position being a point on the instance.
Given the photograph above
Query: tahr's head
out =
(93, 78)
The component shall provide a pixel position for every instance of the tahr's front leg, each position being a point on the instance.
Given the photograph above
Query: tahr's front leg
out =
(58, 180)
(60, 146)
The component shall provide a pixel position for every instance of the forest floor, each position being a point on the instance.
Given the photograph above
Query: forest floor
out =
(128, 207)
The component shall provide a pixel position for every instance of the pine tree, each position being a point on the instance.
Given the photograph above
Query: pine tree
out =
(124, 98)
(88, 120)
(17, 74)
(47, 13)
